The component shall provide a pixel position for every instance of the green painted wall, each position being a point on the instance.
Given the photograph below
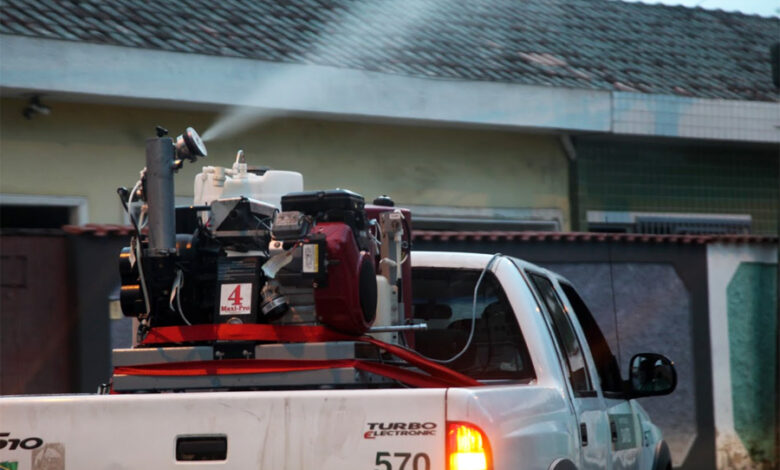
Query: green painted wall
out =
(752, 317)
(673, 176)
(88, 150)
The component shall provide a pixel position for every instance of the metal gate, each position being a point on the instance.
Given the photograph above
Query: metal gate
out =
(37, 321)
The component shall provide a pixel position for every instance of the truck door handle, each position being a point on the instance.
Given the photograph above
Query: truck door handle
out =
(584, 434)
(613, 431)
(206, 447)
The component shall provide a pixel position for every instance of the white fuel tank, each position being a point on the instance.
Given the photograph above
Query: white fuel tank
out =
(216, 182)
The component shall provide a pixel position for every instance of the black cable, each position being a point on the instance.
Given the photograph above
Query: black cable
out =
(614, 304)
(408, 230)
(123, 192)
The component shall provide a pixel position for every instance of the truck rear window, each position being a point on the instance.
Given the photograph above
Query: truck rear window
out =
(443, 298)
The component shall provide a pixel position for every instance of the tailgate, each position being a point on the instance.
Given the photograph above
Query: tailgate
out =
(333, 429)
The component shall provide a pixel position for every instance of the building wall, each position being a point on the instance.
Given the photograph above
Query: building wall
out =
(679, 176)
(743, 318)
(89, 150)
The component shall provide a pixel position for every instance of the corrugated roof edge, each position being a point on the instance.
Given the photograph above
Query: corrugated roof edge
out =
(99, 230)
(496, 236)
(103, 230)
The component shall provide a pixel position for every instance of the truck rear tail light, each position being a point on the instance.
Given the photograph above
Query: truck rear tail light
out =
(467, 447)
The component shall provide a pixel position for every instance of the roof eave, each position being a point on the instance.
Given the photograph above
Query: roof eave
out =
(123, 75)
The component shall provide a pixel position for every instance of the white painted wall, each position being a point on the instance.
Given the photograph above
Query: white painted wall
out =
(88, 150)
(723, 260)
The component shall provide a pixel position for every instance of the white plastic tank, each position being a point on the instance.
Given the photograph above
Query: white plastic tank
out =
(216, 182)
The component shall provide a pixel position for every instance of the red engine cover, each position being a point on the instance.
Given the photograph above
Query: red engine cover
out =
(348, 303)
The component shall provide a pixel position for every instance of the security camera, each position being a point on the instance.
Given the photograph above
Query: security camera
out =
(35, 107)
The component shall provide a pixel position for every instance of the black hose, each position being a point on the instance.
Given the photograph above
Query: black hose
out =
(123, 193)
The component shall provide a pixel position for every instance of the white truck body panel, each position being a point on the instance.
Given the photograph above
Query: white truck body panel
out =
(275, 430)
(527, 425)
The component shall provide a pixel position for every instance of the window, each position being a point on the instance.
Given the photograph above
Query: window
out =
(49, 217)
(443, 299)
(606, 363)
(485, 218)
(668, 222)
(28, 211)
(564, 334)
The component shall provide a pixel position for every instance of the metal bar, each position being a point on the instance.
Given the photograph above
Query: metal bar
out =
(777, 326)
(394, 328)
(159, 196)
(340, 376)
(137, 356)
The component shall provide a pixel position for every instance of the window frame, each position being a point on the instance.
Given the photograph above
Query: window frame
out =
(592, 391)
(530, 373)
(617, 394)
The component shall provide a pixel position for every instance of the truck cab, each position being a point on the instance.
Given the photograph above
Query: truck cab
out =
(554, 382)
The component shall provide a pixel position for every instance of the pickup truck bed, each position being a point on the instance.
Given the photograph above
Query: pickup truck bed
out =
(332, 429)
(531, 409)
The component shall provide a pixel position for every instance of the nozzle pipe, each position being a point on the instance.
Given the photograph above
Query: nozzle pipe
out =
(159, 196)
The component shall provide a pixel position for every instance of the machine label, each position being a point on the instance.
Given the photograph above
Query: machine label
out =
(310, 258)
(399, 429)
(235, 299)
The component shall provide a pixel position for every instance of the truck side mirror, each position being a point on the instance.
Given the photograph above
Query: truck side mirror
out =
(651, 374)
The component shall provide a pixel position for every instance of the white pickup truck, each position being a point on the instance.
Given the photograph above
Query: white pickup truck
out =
(550, 397)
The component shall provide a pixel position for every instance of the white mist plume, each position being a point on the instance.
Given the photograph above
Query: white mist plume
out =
(380, 25)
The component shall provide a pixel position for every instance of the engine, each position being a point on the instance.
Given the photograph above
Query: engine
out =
(255, 248)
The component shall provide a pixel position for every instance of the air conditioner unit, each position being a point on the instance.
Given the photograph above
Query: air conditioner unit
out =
(668, 223)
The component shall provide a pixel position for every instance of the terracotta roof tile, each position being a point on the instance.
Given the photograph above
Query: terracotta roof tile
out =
(574, 237)
(102, 230)
(597, 44)
(99, 230)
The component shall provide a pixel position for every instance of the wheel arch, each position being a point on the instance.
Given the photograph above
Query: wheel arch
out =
(562, 464)
(662, 460)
